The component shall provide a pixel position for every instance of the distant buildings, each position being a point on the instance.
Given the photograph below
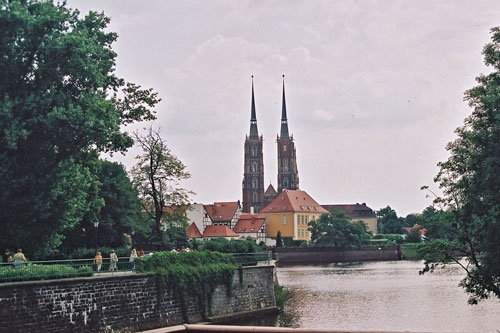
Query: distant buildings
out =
(263, 213)
(357, 212)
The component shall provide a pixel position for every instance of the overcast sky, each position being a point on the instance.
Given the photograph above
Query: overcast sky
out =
(374, 88)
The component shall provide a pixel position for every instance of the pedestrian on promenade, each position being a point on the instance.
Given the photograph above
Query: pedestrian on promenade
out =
(6, 256)
(98, 261)
(141, 253)
(19, 258)
(133, 255)
(113, 259)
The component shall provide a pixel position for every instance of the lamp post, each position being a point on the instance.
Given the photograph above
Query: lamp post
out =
(96, 225)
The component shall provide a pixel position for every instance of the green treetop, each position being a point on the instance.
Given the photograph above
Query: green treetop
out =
(60, 102)
(470, 183)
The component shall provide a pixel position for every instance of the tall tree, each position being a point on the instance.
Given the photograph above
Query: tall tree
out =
(337, 230)
(389, 222)
(59, 104)
(471, 185)
(156, 177)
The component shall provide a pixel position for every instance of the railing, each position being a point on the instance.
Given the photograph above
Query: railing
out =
(253, 259)
(56, 269)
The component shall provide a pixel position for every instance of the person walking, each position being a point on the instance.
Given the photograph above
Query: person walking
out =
(6, 256)
(133, 255)
(19, 258)
(141, 253)
(98, 261)
(113, 259)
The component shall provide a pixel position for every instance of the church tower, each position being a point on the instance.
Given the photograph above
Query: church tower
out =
(253, 173)
(288, 176)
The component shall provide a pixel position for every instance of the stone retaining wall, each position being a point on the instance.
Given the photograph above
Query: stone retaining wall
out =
(331, 255)
(113, 303)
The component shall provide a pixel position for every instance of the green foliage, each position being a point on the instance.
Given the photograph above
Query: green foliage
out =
(393, 238)
(190, 274)
(389, 222)
(59, 107)
(230, 246)
(337, 230)
(470, 184)
(281, 295)
(414, 236)
(438, 224)
(42, 272)
(85, 253)
(156, 177)
(279, 242)
(120, 213)
(412, 251)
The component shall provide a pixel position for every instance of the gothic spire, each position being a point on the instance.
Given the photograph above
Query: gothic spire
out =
(253, 118)
(284, 121)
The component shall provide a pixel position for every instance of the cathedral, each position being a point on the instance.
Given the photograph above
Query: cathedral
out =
(254, 196)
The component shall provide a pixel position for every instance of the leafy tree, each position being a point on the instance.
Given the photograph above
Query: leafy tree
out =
(230, 246)
(414, 235)
(156, 177)
(119, 215)
(279, 242)
(337, 230)
(471, 186)
(59, 103)
(389, 222)
(438, 224)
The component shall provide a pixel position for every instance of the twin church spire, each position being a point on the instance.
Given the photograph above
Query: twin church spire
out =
(254, 198)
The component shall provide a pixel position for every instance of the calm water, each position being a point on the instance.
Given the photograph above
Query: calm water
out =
(382, 296)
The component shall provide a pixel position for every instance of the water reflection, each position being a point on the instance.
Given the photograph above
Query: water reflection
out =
(382, 296)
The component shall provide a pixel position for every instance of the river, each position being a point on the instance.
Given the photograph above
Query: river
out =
(388, 295)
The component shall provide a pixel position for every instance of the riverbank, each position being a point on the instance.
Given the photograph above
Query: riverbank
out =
(311, 255)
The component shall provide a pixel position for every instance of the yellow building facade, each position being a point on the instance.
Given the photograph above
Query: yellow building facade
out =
(289, 213)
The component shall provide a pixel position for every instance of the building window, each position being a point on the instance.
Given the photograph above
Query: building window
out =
(255, 197)
(284, 219)
(284, 147)
(285, 165)
(254, 151)
(254, 167)
(285, 183)
(254, 182)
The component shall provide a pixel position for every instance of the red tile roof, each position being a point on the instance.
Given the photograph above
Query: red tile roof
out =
(193, 231)
(293, 201)
(421, 230)
(221, 211)
(218, 231)
(249, 223)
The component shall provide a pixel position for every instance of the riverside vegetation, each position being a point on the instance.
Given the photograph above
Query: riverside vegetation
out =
(190, 274)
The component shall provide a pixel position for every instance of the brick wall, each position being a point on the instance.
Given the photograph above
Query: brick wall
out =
(119, 302)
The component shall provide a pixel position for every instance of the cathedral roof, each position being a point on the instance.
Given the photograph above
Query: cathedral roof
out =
(293, 201)
(270, 190)
(254, 133)
(284, 121)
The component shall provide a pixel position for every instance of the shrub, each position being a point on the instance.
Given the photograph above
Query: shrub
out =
(42, 272)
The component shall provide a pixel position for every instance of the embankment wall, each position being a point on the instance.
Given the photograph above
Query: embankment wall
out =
(331, 255)
(121, 302)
